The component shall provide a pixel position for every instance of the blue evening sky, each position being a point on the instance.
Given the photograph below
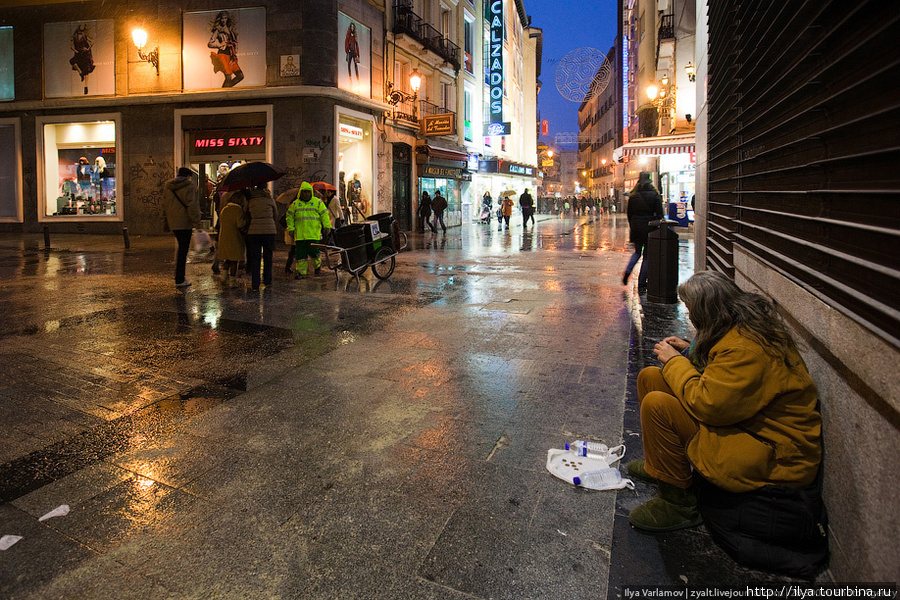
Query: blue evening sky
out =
(568, 25)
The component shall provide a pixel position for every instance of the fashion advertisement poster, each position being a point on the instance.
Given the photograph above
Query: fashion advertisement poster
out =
(79, 59)
(7, 90)
(354, 56)
(224, 48)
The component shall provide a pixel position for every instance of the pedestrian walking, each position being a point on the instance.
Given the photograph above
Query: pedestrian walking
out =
(308, 222)
(439, 205)
(261, 212)
(181, 212)
(231, 246)
(644, 205)
(487, 205)
(526, 202)
(333, 204)
(734, 413)
(506, 208)
(425, 212)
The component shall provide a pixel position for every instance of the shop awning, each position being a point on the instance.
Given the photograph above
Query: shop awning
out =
(656, 146)
(444, 153)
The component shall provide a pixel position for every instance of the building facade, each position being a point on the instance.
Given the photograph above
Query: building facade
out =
(101, 115)
(600, 133)
(659, 88)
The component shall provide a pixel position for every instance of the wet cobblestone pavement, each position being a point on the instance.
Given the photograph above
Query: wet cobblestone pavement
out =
(323, 438)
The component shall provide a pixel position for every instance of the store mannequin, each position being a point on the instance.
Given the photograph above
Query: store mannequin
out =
(83, 175)
(354, 195)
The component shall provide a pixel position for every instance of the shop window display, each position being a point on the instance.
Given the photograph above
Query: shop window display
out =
(80, 169)
(355, 166)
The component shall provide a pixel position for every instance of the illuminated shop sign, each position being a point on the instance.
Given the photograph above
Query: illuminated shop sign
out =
(351, 131)
(492, 129)
(505, 167)
(442, 172)
(439, 124)
(515, 169)
(211, 142)
(230, 142)
(495, 61)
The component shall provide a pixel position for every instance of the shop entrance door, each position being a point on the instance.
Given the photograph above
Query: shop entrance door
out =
(402, 197)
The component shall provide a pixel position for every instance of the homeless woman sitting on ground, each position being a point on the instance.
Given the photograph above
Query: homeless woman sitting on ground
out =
(734, 415)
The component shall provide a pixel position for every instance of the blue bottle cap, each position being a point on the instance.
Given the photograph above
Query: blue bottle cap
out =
(576, 480)
(567, 446)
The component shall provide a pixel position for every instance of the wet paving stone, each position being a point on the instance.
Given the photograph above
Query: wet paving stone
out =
(321, 438)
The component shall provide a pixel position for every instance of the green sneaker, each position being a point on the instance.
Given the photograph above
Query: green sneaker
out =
(636, 471)
(673, 509)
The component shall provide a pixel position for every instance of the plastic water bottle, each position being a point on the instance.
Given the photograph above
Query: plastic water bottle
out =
(604, 478)
(588, 449)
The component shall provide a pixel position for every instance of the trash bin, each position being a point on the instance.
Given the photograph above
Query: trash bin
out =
(352, 236)
(662, 263)
(384, 226)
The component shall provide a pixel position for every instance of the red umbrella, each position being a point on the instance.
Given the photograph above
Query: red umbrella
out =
(322, 185)
(248, 175)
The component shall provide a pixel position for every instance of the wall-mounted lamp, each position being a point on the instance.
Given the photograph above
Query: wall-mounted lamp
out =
(689, 69)
(395, 97)
(603, 161)
(140, 41)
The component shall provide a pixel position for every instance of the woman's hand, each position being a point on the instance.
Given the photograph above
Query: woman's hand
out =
(665, 351)
(678, 343)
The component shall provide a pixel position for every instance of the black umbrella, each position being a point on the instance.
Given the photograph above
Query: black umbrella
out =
(248, 175)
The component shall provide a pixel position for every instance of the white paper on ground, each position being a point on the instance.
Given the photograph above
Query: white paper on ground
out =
(60, 511)
(8, 540)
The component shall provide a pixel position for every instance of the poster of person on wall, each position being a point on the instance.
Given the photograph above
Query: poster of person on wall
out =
(79, 59)
(354, 56)
(7, 87)
(224, 48)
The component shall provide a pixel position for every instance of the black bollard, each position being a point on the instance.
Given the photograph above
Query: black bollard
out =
(127, 240)
(46, 237)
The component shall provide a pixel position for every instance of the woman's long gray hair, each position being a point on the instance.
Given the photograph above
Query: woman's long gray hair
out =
(717, 305)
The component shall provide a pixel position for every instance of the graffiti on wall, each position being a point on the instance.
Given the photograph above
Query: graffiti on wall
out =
(144, 189)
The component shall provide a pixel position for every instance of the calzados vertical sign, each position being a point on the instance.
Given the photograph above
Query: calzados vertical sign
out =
(495, 71)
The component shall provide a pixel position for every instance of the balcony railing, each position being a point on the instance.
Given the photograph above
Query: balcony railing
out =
(666, 31)
(427, 108)
(405, 110)
(409, 23)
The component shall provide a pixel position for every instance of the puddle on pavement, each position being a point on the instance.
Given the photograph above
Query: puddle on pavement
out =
(42, 467)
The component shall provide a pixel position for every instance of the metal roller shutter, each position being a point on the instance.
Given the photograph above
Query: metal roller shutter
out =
(804, 148)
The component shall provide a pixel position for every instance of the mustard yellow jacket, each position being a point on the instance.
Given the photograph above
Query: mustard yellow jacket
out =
(758, 419)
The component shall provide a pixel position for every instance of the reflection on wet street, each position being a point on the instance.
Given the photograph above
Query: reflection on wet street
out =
(401, 423)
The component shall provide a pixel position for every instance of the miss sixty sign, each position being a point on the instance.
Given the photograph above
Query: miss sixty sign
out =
(228, 142)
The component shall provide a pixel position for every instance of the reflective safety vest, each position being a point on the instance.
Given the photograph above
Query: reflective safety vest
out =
(307, 219)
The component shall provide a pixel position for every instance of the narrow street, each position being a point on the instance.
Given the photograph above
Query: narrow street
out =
(318, 439)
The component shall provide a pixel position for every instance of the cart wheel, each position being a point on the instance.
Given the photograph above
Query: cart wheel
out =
(383, 265)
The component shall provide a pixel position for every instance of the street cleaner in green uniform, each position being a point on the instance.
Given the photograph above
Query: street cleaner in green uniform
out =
(307, 219)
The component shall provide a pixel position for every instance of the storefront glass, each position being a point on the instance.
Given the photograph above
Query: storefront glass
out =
(80, 169)
(450, 190)
(355, 171)
(677, 177)
(10, 201)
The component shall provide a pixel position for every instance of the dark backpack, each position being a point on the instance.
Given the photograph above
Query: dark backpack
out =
(774, 528)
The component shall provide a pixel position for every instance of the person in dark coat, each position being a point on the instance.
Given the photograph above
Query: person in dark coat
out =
(644, 205)
(181, 212)
(527, 204)
(439, 205)
(425, 212)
